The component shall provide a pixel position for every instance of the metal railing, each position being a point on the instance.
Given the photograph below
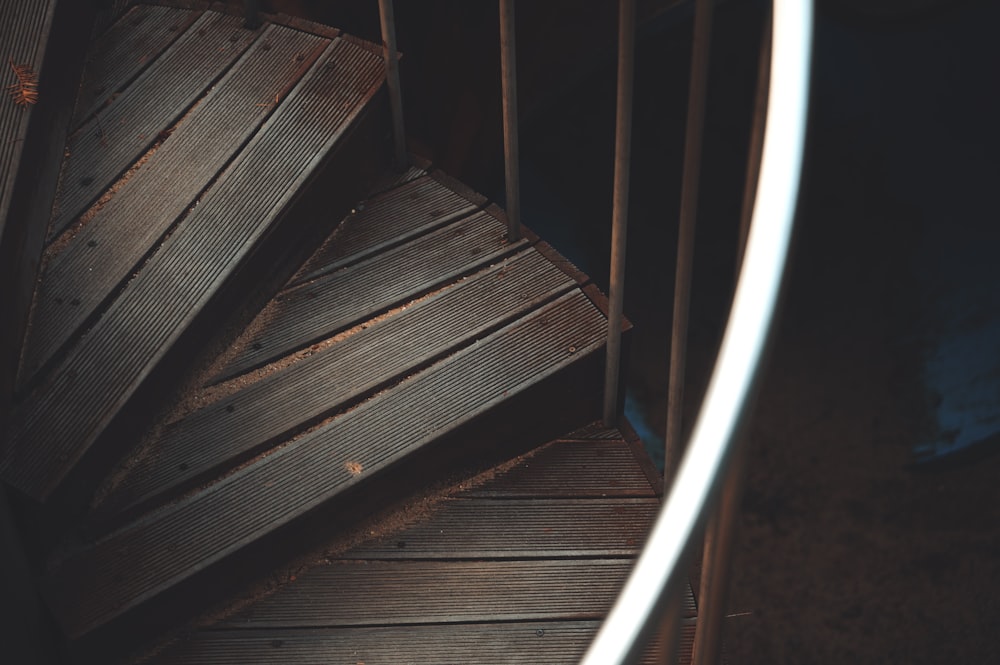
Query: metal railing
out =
(707, 484)
(709, 467)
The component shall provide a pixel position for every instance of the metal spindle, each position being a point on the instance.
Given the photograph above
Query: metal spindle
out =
(391, 56)
(670, 627)
(508, 82)
(251, 14)
(619, 224)
(756, 149)
(685, 239)
(720, 533)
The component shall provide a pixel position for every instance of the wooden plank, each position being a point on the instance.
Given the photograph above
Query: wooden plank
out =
(225, 432)
(383, 593)
(571, 469)
(148, 204)
(24, 31)
(384, 221)
(106, 145)
(305, 314)
(516, 643)
(169, 546)
(520, 528)
(58, 424)
(124, 51)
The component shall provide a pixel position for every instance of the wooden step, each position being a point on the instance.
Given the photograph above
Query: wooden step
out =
(113, 139)
(524, 576)
(195, 536)
(124, 51)
(248, 420)
(168, 184)
(184, 277)
(304, 314)
(24, 31)
(390, 218)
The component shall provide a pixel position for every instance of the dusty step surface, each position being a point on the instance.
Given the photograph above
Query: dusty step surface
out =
(244, 422)
(304, 115)
(168, 546)
(464, 579)
(158, 193)
(307, 312)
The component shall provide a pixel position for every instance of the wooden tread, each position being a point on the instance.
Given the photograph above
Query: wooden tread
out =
(515, 643)
(246, 421)
(169, 546)
(57, 423)
(24, 32)
(167, 185)
(304, 314)
(113, 139)
(392, 218)
(124, 51)
(473, 581)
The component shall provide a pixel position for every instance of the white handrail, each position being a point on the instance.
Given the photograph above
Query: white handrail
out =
(658, 573)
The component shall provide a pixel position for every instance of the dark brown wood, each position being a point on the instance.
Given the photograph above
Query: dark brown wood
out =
(358, 593)
(385, 220)
(578, 469)
(105, 146)
(305, 314)
(435, 569)
(173, 547)
(24, 217)
(517, 643)
(224, 433)
(37, 471)
(70, 292)
(116, 57)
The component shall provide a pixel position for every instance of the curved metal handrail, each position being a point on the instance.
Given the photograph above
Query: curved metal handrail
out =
(658, 574)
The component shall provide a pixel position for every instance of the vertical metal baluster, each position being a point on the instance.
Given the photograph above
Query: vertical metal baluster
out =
(391, 55)
(508, 82)
(619, 224)
(251, 14)
(720, 533)
(685, 238)
(670, 627)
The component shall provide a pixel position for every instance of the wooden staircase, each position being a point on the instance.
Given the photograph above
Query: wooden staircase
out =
(252, 346)
(515, 565)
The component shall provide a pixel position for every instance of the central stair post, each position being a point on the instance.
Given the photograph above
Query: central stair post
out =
(623, 153)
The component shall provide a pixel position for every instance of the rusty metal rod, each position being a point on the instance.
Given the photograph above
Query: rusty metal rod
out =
(508, 81)
(720, 533)
(670, 627)
(619, 223)
(391, 56)
(685, 238)
(251, 14)
(756, 141)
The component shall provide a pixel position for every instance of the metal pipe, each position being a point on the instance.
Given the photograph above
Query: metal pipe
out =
(756, 141)
(659, 570)
(391, 56)
(619, 224)
(670, 627)
(508, 82)
(685, 237)
(720, 534)
(251, 14)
